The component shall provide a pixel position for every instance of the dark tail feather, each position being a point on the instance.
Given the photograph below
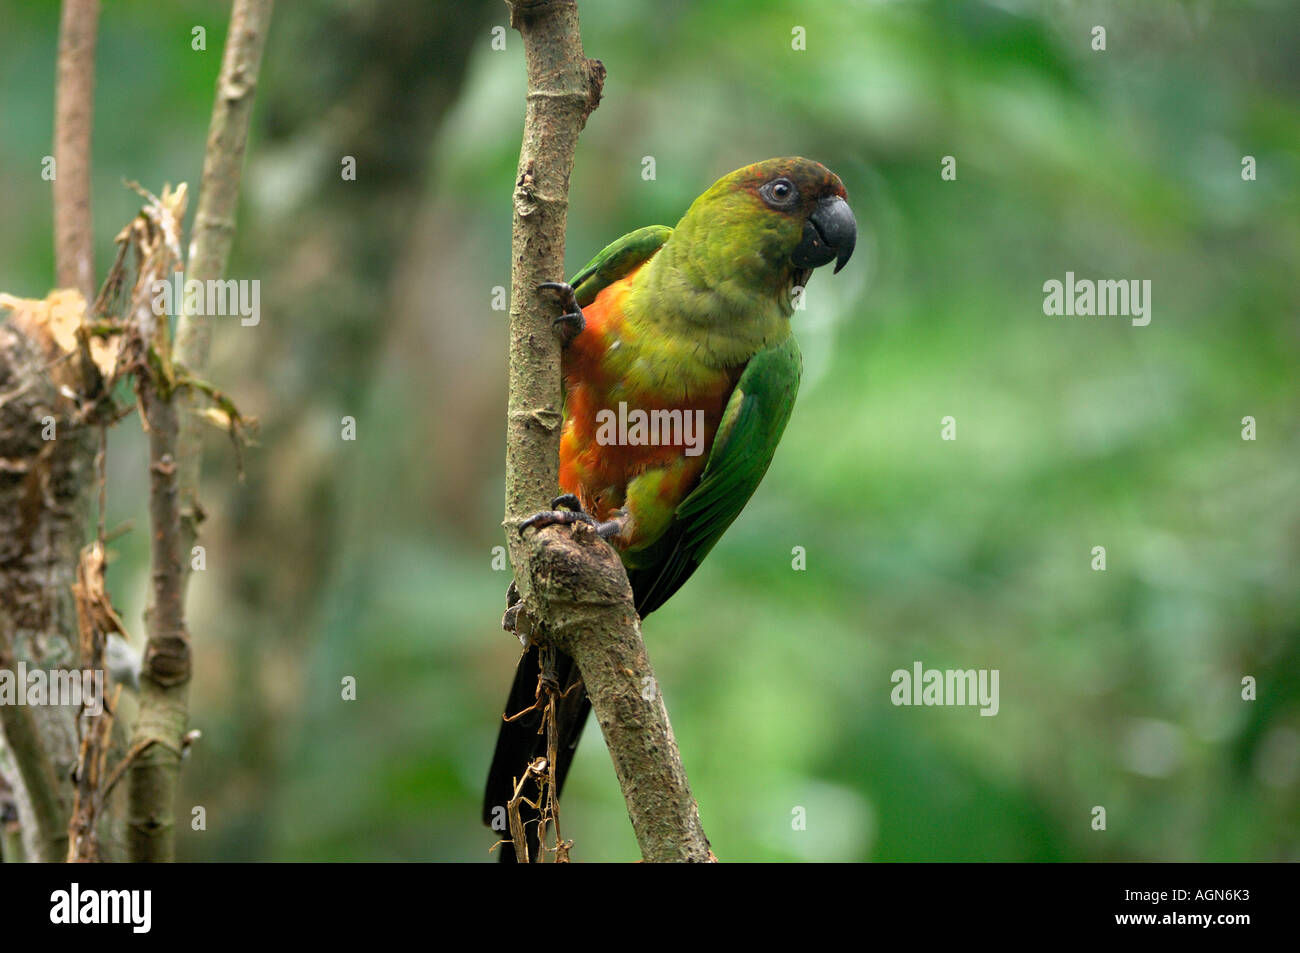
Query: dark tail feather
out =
(521, 742)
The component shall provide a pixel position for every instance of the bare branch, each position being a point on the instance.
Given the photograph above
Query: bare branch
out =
(563, 88)
(174, 449)
(74, 110)
(214, 218)
(576, 593)
(582, 592)
(214, 221)
(165, 672)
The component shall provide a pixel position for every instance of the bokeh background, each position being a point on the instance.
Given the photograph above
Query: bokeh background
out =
(374, 558)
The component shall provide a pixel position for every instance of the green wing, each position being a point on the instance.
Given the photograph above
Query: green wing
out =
(752, 424)
(616, 260)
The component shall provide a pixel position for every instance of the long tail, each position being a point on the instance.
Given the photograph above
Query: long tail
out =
(521, 742)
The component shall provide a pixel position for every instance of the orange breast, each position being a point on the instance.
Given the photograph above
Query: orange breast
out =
(610, 374)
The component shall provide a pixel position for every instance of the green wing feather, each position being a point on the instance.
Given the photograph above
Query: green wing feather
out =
(616, 260)
(752, 425)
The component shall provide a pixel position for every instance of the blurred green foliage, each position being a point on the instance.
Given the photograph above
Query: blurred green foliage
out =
(1119, 688)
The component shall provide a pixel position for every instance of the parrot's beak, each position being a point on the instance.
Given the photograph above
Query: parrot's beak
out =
(829, 234)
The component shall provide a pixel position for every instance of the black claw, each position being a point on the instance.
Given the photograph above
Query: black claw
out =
(565, 292)
(570, 324)
(566, 501)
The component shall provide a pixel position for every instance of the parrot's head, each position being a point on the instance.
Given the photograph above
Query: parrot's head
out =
(778, 220)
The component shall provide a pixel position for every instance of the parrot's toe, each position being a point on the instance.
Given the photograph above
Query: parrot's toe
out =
(556, 518)
(569, 326)
(572, 323)
(565, 292)
(567, 518)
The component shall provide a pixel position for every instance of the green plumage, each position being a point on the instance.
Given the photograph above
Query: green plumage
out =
(752, 426)
(690, 320)
(616, 260)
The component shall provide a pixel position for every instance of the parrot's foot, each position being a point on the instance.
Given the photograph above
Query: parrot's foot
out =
(572, 513)
(570, 324)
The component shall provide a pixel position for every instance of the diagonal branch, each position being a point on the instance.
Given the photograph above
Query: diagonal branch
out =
(582, 593)
(576, 593)
(214, 221)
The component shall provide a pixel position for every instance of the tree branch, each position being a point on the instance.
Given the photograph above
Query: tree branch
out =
(574, 587)
(43, 492)
(165, 673)
(581, 591)
(174, 455)
(34, 769)
(74, 109)
(563, 89)
(214, 223)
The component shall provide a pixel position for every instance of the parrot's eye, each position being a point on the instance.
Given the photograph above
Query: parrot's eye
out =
(779, 193)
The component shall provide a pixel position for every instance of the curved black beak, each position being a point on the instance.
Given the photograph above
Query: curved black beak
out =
(829, 234)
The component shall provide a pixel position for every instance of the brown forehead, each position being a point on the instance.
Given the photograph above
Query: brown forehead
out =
(812, 178)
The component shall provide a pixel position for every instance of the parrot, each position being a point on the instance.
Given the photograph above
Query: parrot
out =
(692, 319)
